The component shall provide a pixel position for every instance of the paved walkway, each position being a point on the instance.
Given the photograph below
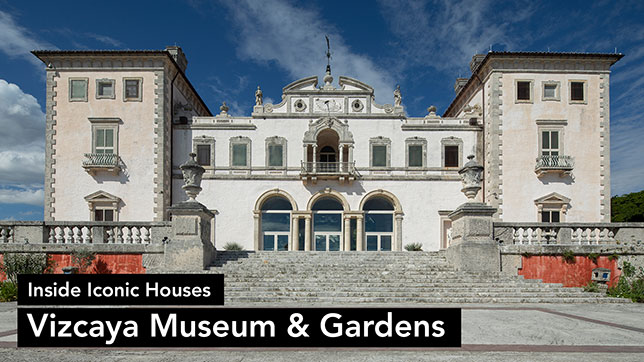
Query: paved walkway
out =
(519, 332)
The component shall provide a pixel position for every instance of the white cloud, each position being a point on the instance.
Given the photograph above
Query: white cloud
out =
(22, 196)
(105, 39)
(16, 41)
(446, 34)
(293, 37)
(22, 128)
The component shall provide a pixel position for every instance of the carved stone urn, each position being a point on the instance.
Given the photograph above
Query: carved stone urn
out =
(192, 173)
(471, 178)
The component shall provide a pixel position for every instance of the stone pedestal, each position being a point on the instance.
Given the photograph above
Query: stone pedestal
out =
(473, 247)
(189, 247)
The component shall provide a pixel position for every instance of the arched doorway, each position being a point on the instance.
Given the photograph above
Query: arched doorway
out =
(327, 224)
(276, 223)
(379, 223)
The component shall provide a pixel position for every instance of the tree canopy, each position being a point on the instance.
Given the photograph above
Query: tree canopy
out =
(628, 208)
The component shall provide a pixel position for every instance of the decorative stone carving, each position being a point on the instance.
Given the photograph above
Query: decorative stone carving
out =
(397, 96)
(299, 105)
(268, 108)
(259, 97)
(471, 178)
(192, 173)
(388, 108)
(328, 105)
(224, 108)
(357, 105)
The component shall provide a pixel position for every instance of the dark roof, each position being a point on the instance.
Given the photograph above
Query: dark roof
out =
(527, 54)
(39, 53)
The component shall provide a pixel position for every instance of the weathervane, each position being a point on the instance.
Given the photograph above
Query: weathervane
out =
(328, 55)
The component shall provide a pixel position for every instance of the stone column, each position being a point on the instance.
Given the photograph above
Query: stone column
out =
(296, 231)
(347, 234)
(398, 232)
(257, 231)
(341, 158)
(307, 233)
(359, 233)
(315, 158)
(189, 247)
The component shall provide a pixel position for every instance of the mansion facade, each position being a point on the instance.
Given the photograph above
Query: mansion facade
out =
(327, 168)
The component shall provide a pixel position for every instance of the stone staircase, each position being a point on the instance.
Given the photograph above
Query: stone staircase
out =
(374, 277)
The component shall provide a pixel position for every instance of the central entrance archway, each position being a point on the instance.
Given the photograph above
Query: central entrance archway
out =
(327, 224)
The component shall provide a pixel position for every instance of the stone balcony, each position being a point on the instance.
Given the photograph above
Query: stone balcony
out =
(342, 171)
(562, 165)
(98, 162)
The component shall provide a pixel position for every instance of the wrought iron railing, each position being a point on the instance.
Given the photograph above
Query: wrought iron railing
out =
(565, 163)
(329, 168)
(101, 159)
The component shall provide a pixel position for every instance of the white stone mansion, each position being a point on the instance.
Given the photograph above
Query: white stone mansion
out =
(327, 168)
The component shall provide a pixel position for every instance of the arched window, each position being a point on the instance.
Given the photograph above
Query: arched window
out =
(379, 223)
(327, 224)
(276, 223)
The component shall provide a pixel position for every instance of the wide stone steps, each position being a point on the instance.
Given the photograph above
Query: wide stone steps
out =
(374, 277)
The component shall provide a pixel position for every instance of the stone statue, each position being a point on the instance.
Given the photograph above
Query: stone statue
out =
(397, 96)
(259, 97)
(224, 108)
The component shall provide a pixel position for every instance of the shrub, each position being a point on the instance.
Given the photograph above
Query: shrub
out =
(591, 287)
(232, 246)
(414, 247)
(613, 257)
(82, 259)
(630, 284)
(8, 291)
(593, 257)
(568, 256)
(526, 254)
(25, 263)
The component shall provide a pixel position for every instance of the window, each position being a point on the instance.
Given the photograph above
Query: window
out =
(101, 214)
(452, 149)
(379, 156)
(132, 89)
(78, 89)
(524, 90)
(380, 152)
(239, 155)
(550, 91)
(276, 152)
(103, 206)
(203, 155)
(276, 223)
(105, 89)
(204, 147)
(451, 156)
(577, 92)
(552, 207)
(550, 143)
(550, 216)
(416, 150)
(104, 137)
(379, 224)
(240, 152)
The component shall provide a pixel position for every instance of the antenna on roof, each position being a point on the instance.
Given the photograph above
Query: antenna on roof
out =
(615, 50)
(328, 55)
(490, 47)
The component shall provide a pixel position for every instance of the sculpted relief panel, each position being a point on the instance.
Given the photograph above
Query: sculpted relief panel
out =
(324, 105)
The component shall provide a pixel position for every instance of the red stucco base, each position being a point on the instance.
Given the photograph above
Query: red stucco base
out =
(553, 269)
(102, 264)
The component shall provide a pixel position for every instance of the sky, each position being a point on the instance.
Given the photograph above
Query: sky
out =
(233, 46)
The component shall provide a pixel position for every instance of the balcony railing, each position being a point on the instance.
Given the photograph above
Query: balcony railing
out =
(344, 171)
(109, 162)
(561, 164)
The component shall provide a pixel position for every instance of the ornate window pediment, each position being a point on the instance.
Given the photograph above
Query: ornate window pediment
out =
(552, 207)
(341, 128)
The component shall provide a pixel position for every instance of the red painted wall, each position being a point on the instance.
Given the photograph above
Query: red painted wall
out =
(102, 264)
(553, 269)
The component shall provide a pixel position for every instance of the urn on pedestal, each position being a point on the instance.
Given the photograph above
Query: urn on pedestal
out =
(192, 173)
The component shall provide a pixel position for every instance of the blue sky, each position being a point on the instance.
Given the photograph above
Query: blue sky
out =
(234, 45)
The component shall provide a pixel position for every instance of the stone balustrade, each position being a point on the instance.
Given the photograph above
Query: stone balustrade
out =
(511, 233)
(87, 232)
